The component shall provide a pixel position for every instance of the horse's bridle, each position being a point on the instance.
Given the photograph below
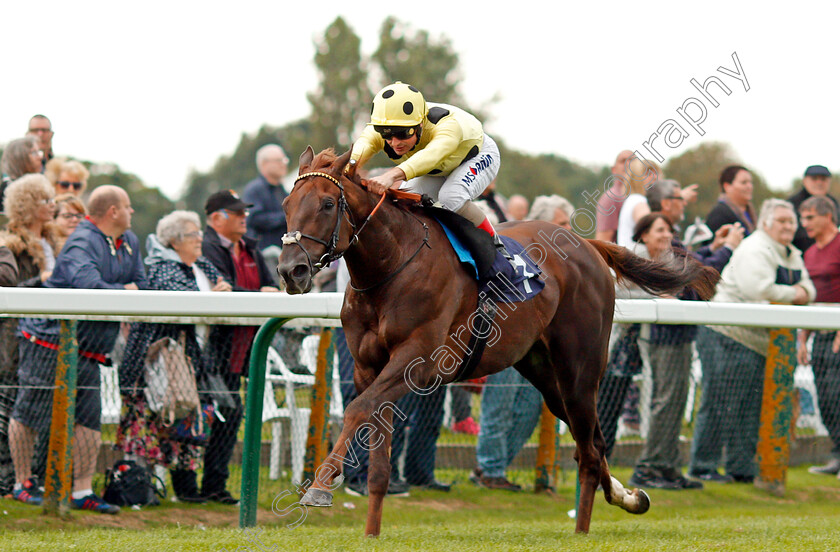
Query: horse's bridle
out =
(293, 238)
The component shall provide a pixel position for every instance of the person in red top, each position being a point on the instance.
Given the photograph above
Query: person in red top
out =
(239, 261)
(609, 204)
(819, 218)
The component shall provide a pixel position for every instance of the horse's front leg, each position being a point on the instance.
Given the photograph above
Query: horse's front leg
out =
(370, 406)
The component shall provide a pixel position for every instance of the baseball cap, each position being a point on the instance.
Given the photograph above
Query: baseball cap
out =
(226, 199)
(817, 170)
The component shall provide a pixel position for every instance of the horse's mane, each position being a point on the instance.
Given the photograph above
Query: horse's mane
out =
(323, 160)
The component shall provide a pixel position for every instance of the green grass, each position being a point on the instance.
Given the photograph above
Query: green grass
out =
(721, 517)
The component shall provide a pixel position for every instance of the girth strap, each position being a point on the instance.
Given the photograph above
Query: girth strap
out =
(486, 314)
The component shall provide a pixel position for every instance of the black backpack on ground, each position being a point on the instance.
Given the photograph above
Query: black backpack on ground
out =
(128, 484)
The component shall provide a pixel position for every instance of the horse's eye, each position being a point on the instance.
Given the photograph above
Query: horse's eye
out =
(329, 204)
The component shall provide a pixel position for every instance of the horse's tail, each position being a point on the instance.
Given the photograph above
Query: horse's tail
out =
(670, 276)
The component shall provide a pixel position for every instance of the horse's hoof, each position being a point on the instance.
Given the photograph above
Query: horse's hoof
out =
(644, 502)
(317, 497)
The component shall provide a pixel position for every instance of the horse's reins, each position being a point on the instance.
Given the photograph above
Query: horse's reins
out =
(425, 242)
(293, 238)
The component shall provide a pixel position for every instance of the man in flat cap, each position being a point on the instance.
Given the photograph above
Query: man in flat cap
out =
(239, 261)
(815, 182)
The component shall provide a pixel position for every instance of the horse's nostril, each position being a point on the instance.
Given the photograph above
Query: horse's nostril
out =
(299, 272)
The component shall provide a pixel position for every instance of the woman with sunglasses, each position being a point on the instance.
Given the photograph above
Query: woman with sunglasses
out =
(69, 213)
(67, 176)
(440, 150)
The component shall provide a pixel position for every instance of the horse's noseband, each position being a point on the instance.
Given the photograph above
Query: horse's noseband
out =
(293, 238)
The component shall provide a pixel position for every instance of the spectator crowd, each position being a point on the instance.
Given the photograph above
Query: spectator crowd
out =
(58, 234)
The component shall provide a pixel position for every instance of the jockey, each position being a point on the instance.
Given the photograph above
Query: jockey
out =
(440, 150)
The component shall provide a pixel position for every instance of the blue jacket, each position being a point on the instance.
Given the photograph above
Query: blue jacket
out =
(92, 260)
(266, 219)
(677, 334)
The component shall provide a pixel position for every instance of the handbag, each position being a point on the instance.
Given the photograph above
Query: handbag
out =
(215, 390)
(194, 429)
(171, 389)
(129, 484)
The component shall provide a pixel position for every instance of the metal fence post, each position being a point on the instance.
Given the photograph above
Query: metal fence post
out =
(59, 476)
(252, 444)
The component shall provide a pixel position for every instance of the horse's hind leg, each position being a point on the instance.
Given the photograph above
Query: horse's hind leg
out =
(570, 390)
(580, 399)
(569, 393)
(550, 377)
(635, 501)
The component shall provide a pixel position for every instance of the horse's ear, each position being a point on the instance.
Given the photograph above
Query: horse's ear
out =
(306, 159)
(341, 163)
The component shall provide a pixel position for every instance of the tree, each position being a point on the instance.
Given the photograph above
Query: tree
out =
(343, 96)
(702, 165)
(414, 58)
(342, 102)
(234, 171)
(531, 176)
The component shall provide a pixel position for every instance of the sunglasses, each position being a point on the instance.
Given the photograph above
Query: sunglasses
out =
(68, 185)
(72, 216)
(237, 213)
(400, 133)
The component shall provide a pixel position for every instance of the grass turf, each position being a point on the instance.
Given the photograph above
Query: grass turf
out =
(720, 517)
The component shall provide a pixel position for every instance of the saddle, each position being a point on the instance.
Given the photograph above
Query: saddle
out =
(477, 252)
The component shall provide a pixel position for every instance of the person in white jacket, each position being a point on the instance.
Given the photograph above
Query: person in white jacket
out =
(765, 268)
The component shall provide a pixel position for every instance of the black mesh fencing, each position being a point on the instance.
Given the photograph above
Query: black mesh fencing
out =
(701, 395)
(170, 398)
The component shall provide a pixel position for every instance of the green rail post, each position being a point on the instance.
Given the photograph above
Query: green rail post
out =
(59, 477)
(252, 444)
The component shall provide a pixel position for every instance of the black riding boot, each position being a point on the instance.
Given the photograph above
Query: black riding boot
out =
(185, 485)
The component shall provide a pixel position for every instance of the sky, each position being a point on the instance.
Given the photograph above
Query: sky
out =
(163, 88)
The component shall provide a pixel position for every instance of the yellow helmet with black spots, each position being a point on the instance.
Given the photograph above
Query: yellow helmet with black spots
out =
(399, 105)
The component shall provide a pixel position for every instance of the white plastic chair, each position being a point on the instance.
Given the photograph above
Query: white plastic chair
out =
(278, 374)
(109, 387)
(803, 378)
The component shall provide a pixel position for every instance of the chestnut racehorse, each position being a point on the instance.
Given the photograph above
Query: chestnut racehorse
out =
(409, 297)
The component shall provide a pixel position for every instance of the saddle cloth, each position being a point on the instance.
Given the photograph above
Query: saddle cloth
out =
(479, 256)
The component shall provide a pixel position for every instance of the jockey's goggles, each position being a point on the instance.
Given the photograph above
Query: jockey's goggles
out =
(400, 133)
